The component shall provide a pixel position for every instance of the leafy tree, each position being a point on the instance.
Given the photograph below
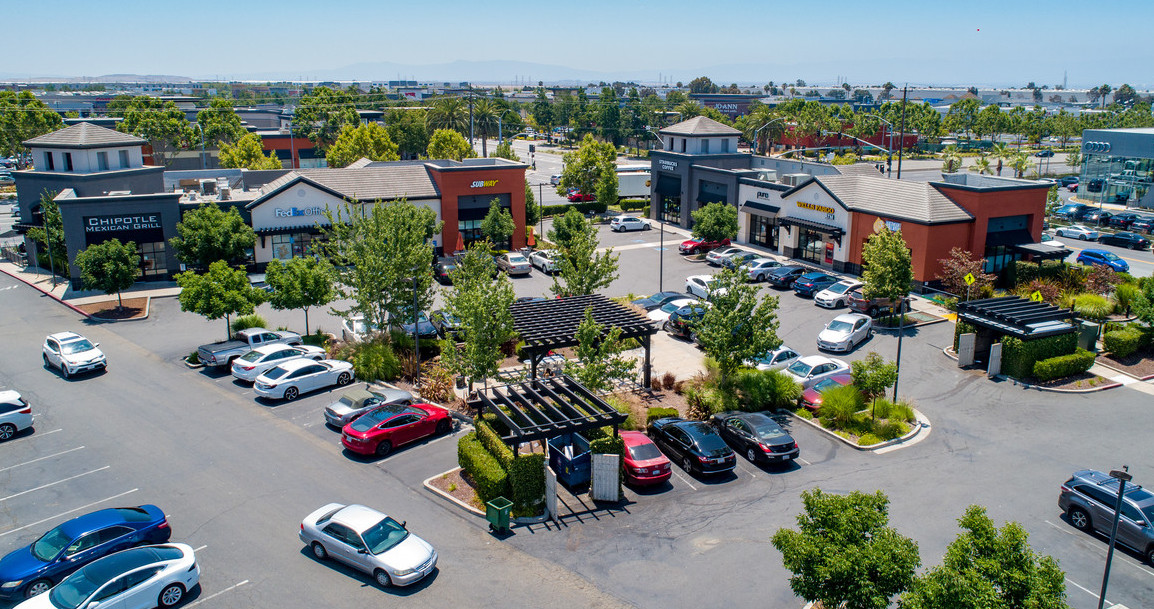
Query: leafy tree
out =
(220, 122)
(609, 117)
(990, 121)
(409, 130)
(886, 88)
(989, 567)
(449, 144)
(844, 553)
(322, 113)
(532, 209)
(568, 227)
(449, 113)
(248, 153)
(50, 234)
(481, 304)
(581, 269)
(607, 187)
(872, 375)
(962, 115)
(737, 327)
(542, 112)
(1074, 159)
(300, 283)
(1053, 199)
(954, 270)
(370, 141)
(599, 364)
(208, 234)
(587, 166)
(498, 225)
(715, 221)
(888, 266)
(951, 161)
(702, 84)
(504, 150)
(158, 121)
(377, 251)
(23, 117)
(221, 292)
(109, 267)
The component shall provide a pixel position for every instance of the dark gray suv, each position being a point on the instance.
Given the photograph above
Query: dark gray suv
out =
(1089, 497)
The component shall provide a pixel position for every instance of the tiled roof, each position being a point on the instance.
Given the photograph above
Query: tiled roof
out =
(84, 135)
(362, 184)
(858, 169)
(700, 125)
(914, 201)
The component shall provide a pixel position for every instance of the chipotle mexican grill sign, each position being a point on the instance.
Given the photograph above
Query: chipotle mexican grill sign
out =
(116, 224)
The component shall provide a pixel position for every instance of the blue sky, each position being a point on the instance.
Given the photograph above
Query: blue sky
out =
(996, 43)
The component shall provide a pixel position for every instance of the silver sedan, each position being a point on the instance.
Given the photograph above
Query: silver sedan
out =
(366, 539)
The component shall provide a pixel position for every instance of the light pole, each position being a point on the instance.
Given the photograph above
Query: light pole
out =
(198, 126)
(901, 331)
(1123, 477)
(416, 335)
(758, 130)
(660, 224)
(890, 152)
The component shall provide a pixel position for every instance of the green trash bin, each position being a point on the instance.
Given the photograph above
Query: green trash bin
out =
(497, 513)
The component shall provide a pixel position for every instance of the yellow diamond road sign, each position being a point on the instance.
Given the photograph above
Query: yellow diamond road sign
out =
(970, 279)
(1036, 296)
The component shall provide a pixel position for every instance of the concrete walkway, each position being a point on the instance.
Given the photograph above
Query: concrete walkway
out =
(62, 291)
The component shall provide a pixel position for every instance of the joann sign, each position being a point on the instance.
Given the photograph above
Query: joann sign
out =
(116, 224)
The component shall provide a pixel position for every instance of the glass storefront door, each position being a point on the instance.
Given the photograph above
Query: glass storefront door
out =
(671, 209)
(762, 231)
(153, 260)
(811, 245)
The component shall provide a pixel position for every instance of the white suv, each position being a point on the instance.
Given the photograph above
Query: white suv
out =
(72, 354)
(624, 223)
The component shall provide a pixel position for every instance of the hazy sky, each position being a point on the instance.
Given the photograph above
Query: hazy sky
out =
(979, 42)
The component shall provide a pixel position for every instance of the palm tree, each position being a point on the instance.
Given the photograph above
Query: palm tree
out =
(981, 165)
(449, 113)
(485, 119)
(1001, 152)
(1020, 163)
(951, 161)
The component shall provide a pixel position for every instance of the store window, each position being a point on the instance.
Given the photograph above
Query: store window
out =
(123, 158)
(153, 260)
(811, 245)
(1116, 179)
(671, 209)
(999, 257)
(763, 231)
(470, 231)
(292, 245)
(102, 160)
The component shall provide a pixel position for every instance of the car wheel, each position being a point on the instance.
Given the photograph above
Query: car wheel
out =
(443, 427)
(170, 596)
(687, 465)
(873, 312)
(1079, 518)
(1150, 555)
(7, 430)
(693, 337)
(37, 587)
(384, 448)
(750, 454)
(666, 327)
(291, 393)
(1084, 237)
(761, 277)
(344, 379)
(64, 370)
(382, 578)
(319, 551)
(44, 356)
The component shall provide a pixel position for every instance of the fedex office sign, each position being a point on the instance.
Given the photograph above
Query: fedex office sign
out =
(290, 212)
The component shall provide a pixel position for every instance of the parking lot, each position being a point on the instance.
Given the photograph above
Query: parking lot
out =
(236, 475)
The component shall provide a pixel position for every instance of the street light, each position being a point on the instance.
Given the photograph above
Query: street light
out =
(890, 152)
(661, 226)
(758, 130)
(1123, 478)
(198, 126)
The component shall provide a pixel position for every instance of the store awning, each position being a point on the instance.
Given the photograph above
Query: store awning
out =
(1041, 251)
(836, 231)
(1008, 237)
(668, 185)
(761, 209)
(706, 198)
(287, 230)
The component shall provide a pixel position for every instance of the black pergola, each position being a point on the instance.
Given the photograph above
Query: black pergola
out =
(545, 325)
(1040, 251)
(544, 408)
(1016, 316)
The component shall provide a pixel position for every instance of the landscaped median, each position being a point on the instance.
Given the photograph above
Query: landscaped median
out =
(846, 415)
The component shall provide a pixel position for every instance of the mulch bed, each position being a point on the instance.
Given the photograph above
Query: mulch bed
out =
(133, 308)
(1136, 364)
(1085, 380)
(461, 486)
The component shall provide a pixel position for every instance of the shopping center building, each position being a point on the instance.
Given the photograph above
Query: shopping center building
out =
(1118, 166)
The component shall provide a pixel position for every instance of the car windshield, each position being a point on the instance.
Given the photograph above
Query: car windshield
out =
(768, 430)
(251, 356)
(70, 593)
(839, 288)
(79, 346)
(670, 307)
(1110, 256)
(839, 326)
(644, 452)
(800, 369)
(384, 535)
(50, 544)
(826, 384)
(275, 373)
(517, 259)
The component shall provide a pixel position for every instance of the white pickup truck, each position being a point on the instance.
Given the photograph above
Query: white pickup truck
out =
(222, 353)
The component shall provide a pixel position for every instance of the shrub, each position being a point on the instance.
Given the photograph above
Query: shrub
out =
(488, 475)
(245, 322)
(804, 413)
(702, 402)
(902, 411)
(1018, 356)
(1092, 306)
(840, 404)
(316, 339)
(633, 204)
(437, 383)
(527, 482)
(1049, 290)
(659, 413)
(959, 329)
(890, 430)
(193, 358)
(1063, 365)
(610, 445)
(1125, 294)
(1121, 343)
(1021, 271)
(375, 361)
(620, 405)
(492, 443)
(765, 390)
(868, 440)
(668, 380)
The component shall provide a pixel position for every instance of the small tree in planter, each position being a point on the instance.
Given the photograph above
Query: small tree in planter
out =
(715, 222)
(872, 375)
(109, 267)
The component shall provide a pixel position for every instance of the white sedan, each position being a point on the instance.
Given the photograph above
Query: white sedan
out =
(1078, 231)
(661, 314)
(780, 357)
(626, 223)
(810, 369)
(294, 377)
(836, 295)
(700, 285)
(137, 578)
(718, 256)
(845, 332)
(546, 260)
(254, 363)
(759, 268)
(370, 541)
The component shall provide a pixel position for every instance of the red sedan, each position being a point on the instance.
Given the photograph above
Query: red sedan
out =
(577, 197)
(811, 398)
(644, 463)
(700, 246)
(379, 431)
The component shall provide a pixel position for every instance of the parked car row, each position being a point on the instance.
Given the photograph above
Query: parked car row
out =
(702, 448)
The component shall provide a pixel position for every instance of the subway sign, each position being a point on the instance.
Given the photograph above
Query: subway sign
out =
(483, 184)
(116, 224)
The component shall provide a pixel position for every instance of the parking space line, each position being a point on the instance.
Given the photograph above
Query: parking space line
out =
(199, 549)
(69, 512)
(682, 478)
(1087, 591)
(35, 435)
(1074, 532)
(4, 469)
(43, 486)
(739, 466)
(803, 461)
(212, 596)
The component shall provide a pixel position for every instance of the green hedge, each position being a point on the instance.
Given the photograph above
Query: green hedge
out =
(759, 390)
(659, 413)
(610, 445)
(586, 207)
(1021, 271)
(527, 479)
(1121, 343)
(1019, 356)
(486, 471)
(492, 443)
(1063, 365)
(633, 204)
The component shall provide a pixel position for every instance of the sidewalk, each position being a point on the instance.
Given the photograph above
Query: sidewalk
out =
(63, 292)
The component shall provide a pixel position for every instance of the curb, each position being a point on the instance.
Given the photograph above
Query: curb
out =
(887, 330)
(48, 294)
(872, 447)
(1025, 385)
(428, 484)
(190, 365)
(147, 306)
(1109, 367)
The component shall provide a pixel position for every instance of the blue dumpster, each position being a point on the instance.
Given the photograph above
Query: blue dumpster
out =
(571, 460)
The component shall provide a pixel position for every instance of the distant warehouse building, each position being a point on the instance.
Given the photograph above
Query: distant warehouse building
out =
(1117, 166)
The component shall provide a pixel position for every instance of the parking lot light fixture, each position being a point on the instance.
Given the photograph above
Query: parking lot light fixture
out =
(1123, 477)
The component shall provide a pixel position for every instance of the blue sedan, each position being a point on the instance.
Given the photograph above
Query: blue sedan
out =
(1103, 258)
(35, 568)
(812, 283)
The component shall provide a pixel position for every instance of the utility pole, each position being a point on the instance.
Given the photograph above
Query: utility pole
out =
(902, 137)
(470, 114)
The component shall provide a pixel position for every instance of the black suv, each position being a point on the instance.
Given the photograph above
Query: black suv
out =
(693, 444)
(682, 321)
(1089, 497)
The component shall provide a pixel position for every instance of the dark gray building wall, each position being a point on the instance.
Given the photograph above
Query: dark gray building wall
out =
(30, 185)
(692, 169)
(78, 212)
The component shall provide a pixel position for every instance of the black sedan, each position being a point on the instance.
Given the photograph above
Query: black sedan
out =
(1133, 241)
(693, 444)
(784, 276)
(657, 300)
(1124, 219)
(682, 321)
(1097, 216)
(757, 435)
(442, 269)
(1144, 224)
(447, 324)
(1068, 180)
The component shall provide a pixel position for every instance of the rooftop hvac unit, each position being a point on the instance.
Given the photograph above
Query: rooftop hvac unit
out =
(225, 193)
(795, 179)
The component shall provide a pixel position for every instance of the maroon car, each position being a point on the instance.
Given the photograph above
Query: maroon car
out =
(811, 397)
(644, 464)
(700, 246)
(379, 431)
